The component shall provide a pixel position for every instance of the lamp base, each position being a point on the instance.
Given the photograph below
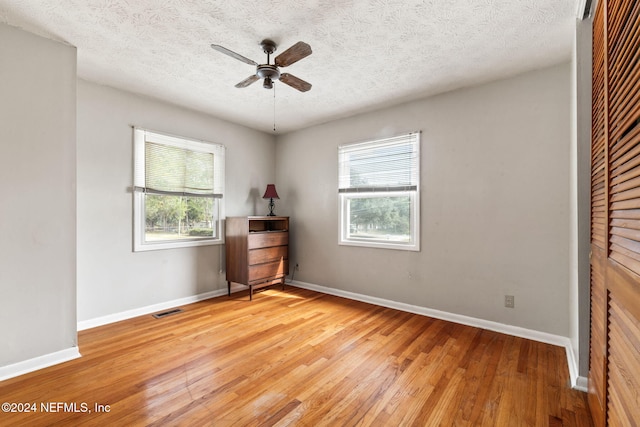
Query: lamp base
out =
(271, 206)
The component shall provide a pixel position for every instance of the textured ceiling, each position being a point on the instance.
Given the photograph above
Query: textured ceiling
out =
(366, 54)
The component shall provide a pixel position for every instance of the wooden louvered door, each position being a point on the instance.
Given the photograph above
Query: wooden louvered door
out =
(599, 196)
(614, 371)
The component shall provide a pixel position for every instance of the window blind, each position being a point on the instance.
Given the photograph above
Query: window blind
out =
(390, 164)
(175, 166)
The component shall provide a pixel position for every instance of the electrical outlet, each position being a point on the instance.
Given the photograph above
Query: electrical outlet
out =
(509, 301)
(297, 266)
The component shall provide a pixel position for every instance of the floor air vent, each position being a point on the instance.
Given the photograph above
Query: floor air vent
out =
(167, 313)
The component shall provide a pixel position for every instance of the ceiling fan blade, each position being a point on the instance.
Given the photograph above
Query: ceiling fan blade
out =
(293, 54)
(246, 82)
(295, 82)
(233, 54)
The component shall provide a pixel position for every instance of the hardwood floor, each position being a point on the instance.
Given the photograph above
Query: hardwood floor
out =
(297, 357)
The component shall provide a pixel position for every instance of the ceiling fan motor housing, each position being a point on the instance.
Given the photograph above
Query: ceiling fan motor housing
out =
(268, 70)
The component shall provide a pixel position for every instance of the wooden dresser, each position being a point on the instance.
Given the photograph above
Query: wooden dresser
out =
(257, 251)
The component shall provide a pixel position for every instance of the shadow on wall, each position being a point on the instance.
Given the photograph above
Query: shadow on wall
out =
(210, 269)
(252, 198)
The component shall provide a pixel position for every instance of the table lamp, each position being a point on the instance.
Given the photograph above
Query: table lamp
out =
(271, 194)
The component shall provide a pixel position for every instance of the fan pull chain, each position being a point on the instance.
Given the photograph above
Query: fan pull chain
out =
(274, 107)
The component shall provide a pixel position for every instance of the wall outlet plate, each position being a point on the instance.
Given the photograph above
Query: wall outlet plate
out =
(509, 301)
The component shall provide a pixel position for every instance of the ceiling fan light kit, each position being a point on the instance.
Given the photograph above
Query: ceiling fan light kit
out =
(271, 72)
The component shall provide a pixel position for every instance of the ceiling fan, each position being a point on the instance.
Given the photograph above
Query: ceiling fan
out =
(271, 72)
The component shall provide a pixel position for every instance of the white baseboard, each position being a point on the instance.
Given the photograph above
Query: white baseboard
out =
(40, 362)
(124, 315)
(572, 363)
(577, 382)
(582, 384)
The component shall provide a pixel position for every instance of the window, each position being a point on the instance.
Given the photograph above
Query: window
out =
(178, 188)
(379, 193)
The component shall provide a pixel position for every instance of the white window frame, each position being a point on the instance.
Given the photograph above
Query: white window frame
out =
(141, 136)
(346, 195)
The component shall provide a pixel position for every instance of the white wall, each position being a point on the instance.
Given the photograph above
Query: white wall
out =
(37, 183)
(495, 203)
(580, 238)
(111, 278)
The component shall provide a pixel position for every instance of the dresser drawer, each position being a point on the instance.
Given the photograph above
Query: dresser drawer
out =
(263, 240)
(260, 256)
(271, 270)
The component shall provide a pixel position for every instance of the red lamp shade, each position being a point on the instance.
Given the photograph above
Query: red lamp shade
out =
(270, 193)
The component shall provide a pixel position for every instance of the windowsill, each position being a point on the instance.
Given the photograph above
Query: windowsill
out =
(381, 245)
(155, 246)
